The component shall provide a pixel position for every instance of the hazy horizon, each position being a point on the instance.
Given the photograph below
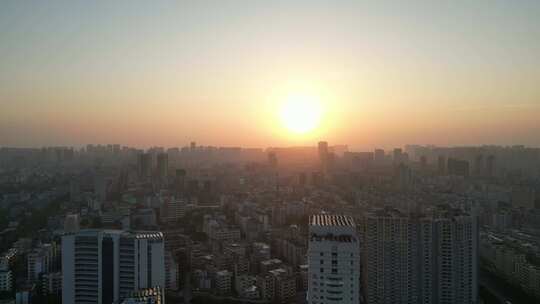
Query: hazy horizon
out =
(387, 149)
(165, 73)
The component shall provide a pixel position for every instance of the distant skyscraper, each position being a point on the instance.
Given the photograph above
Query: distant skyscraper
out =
(333, 259)
(420, 259)
(330, 161)
(323, 155)
(458, 167)
(423, 162)
(378, 156)
(302, 178)
(272, 159)
(116, 149)
(144, 166)
(100, 187)
(105, 266)
(172, 210)
(441, 164)
(403, 177)
(490, 166)
(479, 168)
(180, 180)
(162, 166)
(74, 190)
(398, 157)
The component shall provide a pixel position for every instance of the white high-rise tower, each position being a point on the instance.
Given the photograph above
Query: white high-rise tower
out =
(334, 260)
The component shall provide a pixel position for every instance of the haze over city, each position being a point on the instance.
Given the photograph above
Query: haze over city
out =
(243, 73)
(270, 152)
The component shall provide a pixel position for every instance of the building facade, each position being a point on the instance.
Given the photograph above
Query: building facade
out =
(104, 266)
(333, 260)
(420, 258)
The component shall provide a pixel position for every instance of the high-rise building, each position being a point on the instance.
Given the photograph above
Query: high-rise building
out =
(523, 197)
(441, 164)
(172, 210)
(116, 149)
(479, 168)
(490, 166)
(398, 156)
(420, 258)
(403, 177)
(171, 271)
(458, 167)
(162, 166)
(180, 180)
(323, 155)
(100, 187)
(272, 159)
(105, 266)
(51, 283)
(333, 260)
(423, 162)
(41, 260)
(378, 157)
(144, 166)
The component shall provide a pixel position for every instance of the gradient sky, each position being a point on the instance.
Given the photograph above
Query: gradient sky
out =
(166, 72)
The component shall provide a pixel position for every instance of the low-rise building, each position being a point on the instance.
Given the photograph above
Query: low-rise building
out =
(223, 280)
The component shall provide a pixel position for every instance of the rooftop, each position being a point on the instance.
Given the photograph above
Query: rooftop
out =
(331, 220)
(152, 235)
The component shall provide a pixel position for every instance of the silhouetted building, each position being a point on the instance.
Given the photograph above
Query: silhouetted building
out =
(180, 180)
(490, 166)
(323, 155)
(398, 156)
(379, 156)
(441, 165)
(458, 167)
(144, 166)
(162, 166)
(479, 168)
(272, 159)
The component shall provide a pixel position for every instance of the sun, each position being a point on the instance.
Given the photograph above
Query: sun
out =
(301, 113)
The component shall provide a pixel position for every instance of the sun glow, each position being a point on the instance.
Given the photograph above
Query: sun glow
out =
(301, 114)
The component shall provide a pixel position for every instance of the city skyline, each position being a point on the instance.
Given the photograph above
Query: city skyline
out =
(283, 152)
(386, 74)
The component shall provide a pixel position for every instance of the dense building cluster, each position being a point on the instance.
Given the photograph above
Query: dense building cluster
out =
(112, 224)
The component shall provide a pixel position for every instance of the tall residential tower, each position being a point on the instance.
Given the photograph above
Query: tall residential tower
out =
(105, 266)
(427, 259)
(333, 259)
